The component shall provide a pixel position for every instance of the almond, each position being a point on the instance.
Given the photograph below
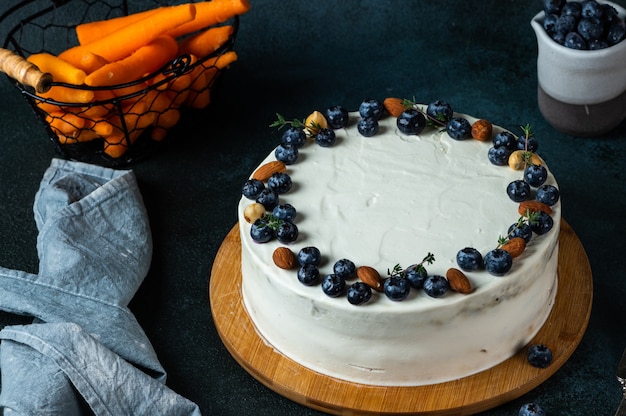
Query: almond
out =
(394, 106)
(370, 277)
(533, 206)
(284, 258)
(481, 130)
(515, 246)
(264, 172)
(458, 281)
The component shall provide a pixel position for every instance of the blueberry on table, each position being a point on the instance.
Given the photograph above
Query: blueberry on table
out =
(459, 128)
(590, 29)
(411, 121)
(505, 139)
(535, 175)
(518, 190)
(539, 356)
(396, 288)
(359, 293)
(416, 274)
(591, 8)
(436, 286)
(499, 156)
(531, 409)
(268, 198)
(574, 41)
(440, 111)
(469, 259)
(368, 127)
(520, 230)
(333, 285)
(542, 223)
(287, 232)
(286, 153)
(261, 232)
(572, 8)
(549, 23)
(498, 262)
(548, 194)
(279, 182)
(309, 255)
(527, 143)
(308, 275)
(337, 117)
(252, 188)
(565, 24)
(294, 136)
(344, 268)
(325, 137)
(285, 212)
(371, 108)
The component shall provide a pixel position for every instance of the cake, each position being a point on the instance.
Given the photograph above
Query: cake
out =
(385, 203)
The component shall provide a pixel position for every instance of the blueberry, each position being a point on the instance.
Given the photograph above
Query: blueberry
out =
(574, 41)
(615, 34)
(308, 275)
(530, 144)
(252, 188)
(459, 128)
(344, 268)
(294, 136)
(359, 293)
(542, 224)
(309, 255)
(531, 409)
(565, 24)
(261, 232)
(469, 259)
(572, 8)
(436, 286)
(285, 212)
(521, 230)
(498, 262)
(337, 117)
(268, 198)
(411, 121)
(549, 23)
(440, 111)
(279, 182)
(416, 275)
(590, 29)
(553, 6)
(548, 194)
(518, 190)
(325, 137)
(286, 153)
(371, 108)
(396, 288)
(368, 127)
(535, 175)
(505, 139)
(591, 8)
(595, 45)
(287, 232)
(499, 156)
(333, 285)
(539, 356)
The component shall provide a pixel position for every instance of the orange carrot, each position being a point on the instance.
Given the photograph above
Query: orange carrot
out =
(211, 12)
(144, 60)
(89, 62)
(61, 70)
(69, 95)
(206, 41)
(65, 123)
(126, 40)
(90, 31)
(200, 91)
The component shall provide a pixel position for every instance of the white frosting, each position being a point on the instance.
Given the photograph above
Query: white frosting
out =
(392, 199)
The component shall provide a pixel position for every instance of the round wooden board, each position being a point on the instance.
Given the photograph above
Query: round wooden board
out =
(562, 332)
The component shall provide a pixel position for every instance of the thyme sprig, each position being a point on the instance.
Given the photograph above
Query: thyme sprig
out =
(400, 271)
(437, 122)
(282, 122)
(530, 218)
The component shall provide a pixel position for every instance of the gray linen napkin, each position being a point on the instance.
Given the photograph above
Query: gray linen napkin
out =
(94, 248)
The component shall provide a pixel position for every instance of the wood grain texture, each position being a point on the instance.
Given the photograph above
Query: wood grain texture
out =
(562, 332)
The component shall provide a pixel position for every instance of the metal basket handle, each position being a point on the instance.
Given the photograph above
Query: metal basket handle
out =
(23, 71)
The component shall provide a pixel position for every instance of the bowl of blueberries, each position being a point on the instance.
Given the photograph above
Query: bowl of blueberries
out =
(581, 65)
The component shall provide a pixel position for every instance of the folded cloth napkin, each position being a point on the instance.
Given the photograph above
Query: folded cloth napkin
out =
(85, 352)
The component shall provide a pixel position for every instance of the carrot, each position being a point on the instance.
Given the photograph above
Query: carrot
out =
(211, 12)
(206, 41)
(61, 70)
(126, 40)
(65, 123)
(69, 95)
(90, 31)
(144, 60)
(89, 62)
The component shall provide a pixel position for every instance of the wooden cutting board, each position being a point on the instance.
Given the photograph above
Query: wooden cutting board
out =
(562, 332)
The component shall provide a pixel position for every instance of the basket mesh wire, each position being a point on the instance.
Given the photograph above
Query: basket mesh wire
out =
(122, 123)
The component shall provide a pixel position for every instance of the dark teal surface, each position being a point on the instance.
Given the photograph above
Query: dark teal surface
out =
(299, 56)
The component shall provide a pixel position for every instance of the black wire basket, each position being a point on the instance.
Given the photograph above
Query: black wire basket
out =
(123, 123)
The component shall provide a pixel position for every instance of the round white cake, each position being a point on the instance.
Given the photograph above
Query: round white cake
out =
(389, 200)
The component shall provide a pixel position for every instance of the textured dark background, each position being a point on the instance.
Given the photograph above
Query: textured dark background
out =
(298, 56)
